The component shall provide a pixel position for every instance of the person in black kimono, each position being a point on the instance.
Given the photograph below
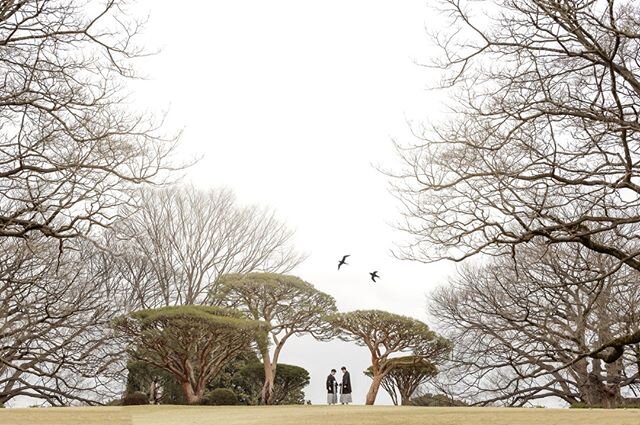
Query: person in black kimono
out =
(345, 395)
(332, 388)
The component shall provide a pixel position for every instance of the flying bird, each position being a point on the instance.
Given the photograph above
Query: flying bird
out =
(374, 275)
(343, 261)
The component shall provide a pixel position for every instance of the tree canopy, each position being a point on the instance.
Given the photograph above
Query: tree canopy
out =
(181, 239)
(405, 376)
(523, 328)
(55, 341)
(71, 148)
(289, 306)
(191, 342)
(543, 137)
(384, 334)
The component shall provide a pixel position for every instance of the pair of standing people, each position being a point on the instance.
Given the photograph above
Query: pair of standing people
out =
(345, 387)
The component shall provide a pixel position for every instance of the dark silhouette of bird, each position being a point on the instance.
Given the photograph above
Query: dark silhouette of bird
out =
(343, 261)
(374, 274)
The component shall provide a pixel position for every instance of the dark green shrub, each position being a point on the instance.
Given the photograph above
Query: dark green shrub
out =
(288, 387)
(142, 374)
(135, 399)
(436, 400)
(631, 403)
(625, 403)
(220, 397)
(582, 406)
(114, 402)
(1, 406)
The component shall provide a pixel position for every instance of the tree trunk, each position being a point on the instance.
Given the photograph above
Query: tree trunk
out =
(597, 393)
(404, 398)
(406, 391)
(191, 396)
(266, 396)
(269, 382)
(373, 389)
(393, 395)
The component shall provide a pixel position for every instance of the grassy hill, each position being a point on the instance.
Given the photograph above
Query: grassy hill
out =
(312, 415)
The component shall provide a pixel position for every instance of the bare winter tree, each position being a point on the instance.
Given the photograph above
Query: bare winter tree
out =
(544, 139)
(69, 147)
(55, 311)
(184, 238)
(520, 330)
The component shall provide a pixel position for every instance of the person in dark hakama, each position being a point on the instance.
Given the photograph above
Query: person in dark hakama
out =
(345, 395)
(332, 388)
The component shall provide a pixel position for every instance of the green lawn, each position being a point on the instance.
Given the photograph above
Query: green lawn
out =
(312, 415)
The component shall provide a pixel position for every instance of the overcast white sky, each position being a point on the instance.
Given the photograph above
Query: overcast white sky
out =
(291, 103)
